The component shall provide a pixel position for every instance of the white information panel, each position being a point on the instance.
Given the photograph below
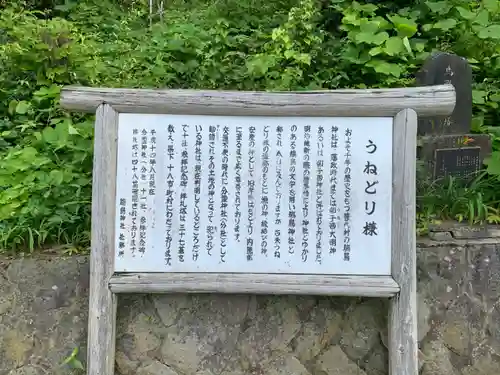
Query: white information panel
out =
(308, 195)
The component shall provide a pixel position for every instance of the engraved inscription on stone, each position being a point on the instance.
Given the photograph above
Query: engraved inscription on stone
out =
(442, 137)
(254, 194)
(459, 162)
(445, 68)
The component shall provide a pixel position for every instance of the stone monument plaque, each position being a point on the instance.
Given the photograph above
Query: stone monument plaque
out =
(254, 194)
(447, 147)
(460, 162)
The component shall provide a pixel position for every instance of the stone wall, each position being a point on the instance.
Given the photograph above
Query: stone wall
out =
(43, 305)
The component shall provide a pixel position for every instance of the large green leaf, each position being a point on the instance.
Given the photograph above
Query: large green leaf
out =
(490, 32)
(386, 68)
(371, 38)
(439, 7)
(405, 26)
(446, 24)
(394, 46)
(466, 13)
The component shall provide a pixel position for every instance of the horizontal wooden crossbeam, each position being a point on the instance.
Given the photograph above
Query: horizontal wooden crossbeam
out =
(425, 101)
(365, 286)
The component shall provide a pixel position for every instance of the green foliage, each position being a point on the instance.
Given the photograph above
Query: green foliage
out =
(46, 153)
(73, 364)
(450, 199)
(45, 165)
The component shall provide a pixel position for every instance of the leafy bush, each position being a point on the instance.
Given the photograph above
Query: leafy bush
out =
(46, 158)
(46, 153)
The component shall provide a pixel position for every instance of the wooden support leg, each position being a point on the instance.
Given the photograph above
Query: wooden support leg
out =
(403, 344)
(102, 304)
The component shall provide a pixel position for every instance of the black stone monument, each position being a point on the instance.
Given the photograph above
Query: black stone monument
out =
(446, 146)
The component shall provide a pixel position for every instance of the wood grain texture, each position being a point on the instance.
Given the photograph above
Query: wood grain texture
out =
(102, 304)
(368, 286)
(403, 344)
(426, 101)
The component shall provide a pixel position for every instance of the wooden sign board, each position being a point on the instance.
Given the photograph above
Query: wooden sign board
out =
(269, 193)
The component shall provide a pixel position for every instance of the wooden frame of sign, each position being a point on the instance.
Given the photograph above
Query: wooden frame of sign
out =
(402, 105)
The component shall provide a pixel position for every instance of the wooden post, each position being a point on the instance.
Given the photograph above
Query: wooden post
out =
(403, 344)
(102, 303)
